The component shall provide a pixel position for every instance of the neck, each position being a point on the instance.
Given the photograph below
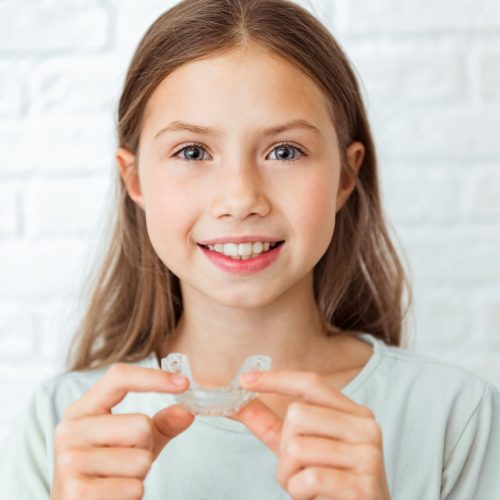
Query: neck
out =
(217, 338)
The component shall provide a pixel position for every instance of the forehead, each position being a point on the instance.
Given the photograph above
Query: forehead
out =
(245, 85)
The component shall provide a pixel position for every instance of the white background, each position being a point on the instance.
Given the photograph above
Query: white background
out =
(430, 73)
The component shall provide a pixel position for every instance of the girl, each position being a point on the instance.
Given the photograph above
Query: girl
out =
(250, 222)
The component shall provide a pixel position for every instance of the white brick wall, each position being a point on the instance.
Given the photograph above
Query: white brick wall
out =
(430, 73)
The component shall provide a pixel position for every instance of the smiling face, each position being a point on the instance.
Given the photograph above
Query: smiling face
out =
(240, 180)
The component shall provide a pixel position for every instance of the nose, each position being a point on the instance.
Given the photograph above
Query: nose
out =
(239, 192)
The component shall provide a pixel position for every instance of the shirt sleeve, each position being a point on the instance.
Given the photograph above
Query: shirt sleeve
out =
(26, 460)
(472, 469)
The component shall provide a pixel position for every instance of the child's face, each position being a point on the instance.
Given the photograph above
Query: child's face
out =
(238, 182)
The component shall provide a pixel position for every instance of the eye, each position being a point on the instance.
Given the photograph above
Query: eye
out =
(191, 149)
(287, 146)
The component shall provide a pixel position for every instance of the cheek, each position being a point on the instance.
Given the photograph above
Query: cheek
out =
(315, 211)
(165, 203)
(167, 217)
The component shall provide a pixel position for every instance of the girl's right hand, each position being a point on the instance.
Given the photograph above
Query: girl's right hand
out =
(100, 455)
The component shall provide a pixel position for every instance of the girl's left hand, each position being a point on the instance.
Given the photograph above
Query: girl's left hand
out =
(329, 447)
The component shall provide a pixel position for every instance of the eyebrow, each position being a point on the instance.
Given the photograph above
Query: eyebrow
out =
(177, 126)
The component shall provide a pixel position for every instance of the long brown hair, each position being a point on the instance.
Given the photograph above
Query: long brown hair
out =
(134, 299)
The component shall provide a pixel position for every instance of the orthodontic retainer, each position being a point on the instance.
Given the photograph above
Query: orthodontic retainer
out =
(219, 401)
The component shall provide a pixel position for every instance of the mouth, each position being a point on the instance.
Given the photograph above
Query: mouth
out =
(254, 257)
(243, 264)
(273, 245)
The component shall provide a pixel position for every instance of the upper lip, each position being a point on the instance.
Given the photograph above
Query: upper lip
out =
(239, 239)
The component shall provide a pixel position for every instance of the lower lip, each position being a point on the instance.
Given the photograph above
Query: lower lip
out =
(246, 266)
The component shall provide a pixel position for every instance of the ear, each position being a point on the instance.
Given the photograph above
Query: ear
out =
(129, 172)
(354, 153)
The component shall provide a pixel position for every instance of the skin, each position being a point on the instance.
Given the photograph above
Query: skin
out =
(240, 187)
(101, 456)
(328, 446)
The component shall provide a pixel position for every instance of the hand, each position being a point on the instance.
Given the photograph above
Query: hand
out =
(329, 447)
(99, 455)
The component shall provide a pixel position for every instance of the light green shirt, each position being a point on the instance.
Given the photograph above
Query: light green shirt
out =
(440, 425)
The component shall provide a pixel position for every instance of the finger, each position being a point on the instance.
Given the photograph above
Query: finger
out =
(302, 451)
(167, 424)
(263, 422)
(132, 430)
(305, 419)
(310, 386)
(312, 482)
(118, 380)
(111, 488)
(108, 462)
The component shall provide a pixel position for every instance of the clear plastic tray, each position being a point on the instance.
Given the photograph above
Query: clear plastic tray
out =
(219, 401)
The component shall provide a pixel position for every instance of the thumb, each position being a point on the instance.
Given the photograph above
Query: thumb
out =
(167, 424)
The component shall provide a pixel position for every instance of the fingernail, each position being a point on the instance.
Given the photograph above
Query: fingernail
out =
(178, 379)
(250, 377)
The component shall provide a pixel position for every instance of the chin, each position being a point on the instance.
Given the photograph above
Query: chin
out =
(242, 300)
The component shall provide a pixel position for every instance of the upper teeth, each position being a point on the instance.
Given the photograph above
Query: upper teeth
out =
(245, 250)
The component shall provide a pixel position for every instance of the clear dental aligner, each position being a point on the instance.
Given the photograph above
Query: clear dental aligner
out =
(219, 401)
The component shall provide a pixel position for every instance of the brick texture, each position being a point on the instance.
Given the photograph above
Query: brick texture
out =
(430, 75)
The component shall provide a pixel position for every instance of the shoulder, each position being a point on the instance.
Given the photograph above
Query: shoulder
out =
(399, 380)
(427, 380)
(424, 373)
(428, 389)
(425, 402)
